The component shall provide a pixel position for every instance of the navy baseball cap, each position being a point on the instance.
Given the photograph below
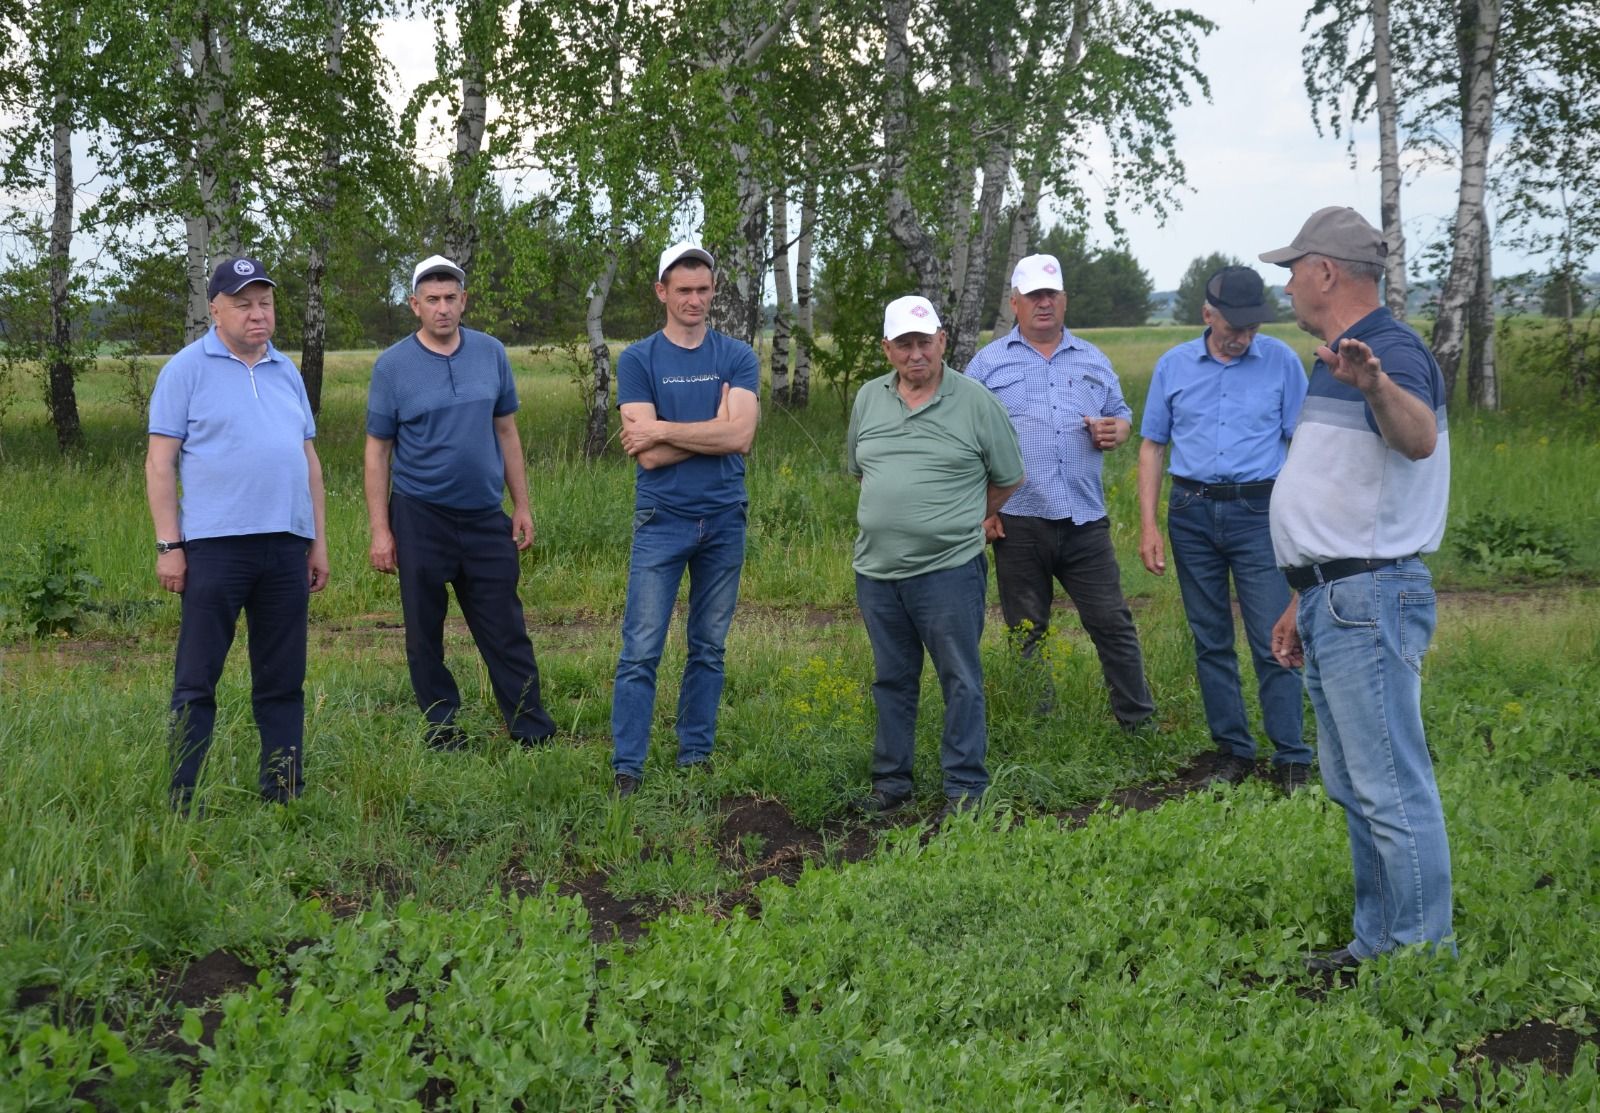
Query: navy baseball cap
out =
(1240, 296)
(232, 275)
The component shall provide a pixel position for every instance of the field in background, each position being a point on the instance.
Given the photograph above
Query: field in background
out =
(417, 921)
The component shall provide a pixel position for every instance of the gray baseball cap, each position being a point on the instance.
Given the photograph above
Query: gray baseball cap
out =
(1339, 232)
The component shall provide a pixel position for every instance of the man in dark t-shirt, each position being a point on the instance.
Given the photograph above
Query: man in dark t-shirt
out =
(441, 424)
(689, 399)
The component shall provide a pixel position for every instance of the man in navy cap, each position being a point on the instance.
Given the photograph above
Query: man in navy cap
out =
(229, 416)
(1226, 403)
(442, 452)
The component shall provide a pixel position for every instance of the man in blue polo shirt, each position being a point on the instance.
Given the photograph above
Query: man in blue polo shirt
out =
(1363, 493)
(689, 398)
(229, 418)
(1066, 404)
(442, 448)
(1227, 403)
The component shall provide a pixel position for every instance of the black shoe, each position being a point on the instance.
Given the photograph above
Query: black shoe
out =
(445, 737)
(1331, 962)
(626, 784)
(698, 765)
(880, 803)
(542, 742)
(956, 805)
(1231, 770)
(1293, 776)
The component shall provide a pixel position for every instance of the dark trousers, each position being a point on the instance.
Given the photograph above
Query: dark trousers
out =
(1036, 551)
(473, 552)
(264, 575)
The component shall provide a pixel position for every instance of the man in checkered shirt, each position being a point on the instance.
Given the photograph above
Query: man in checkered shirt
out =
(1067, 406)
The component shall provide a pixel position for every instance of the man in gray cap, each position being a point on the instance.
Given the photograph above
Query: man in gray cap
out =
(230, 418)
(1067, 406)
(1364, 491)
(442, 452)
(936, 456)
(1227, 402)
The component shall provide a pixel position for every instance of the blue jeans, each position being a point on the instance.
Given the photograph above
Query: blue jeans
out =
(1210, 539)
(664, 545)
(942, 612)
(265, 575)
(1364, 638)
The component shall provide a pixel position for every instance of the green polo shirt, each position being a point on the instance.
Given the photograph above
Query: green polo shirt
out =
(925, 474)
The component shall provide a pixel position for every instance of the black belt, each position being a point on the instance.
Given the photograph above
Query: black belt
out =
(1225, 490)
(1310, 575)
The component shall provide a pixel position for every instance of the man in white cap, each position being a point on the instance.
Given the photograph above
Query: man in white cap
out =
(230, 418)
(936, 456)
(1363, 493)
(442, 451)
(1226, 403)
(690, 399)
(1068, 409)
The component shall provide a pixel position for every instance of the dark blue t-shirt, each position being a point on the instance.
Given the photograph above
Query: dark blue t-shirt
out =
(685, 384)
(440, 411)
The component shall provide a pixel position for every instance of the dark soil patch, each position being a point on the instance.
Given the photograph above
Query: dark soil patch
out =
(208, 978)
(1537, 1041)
(761, 839)
(1152, 794)
(31, 995)
(610, 917)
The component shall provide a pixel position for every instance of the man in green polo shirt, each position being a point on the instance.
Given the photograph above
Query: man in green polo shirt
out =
(936, 454)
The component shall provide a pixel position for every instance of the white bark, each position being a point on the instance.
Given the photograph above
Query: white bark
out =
(1024, 225)
(1483, 385)
(461, 229)
(933, 272)
(62, 394)
(805, 307)
(785, 292)
(594, 441)
(208, 57)
(1395, 282)
(314, 342)
(1477, 39)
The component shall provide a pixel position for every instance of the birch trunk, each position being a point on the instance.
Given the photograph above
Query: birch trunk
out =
(1477, 33)
(785, 291)
(461, 225)
(996, 176)
(1024, 226)
(596, 435)
(209, 55)
(742, 261)
(63, 368)
(933, 272)
(1395, 285)
(314, 341)
(805, 307)
(1483, 385)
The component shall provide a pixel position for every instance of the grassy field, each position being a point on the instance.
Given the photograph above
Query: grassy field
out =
(412, 935)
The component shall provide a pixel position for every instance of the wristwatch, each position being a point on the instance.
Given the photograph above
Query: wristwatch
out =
(163, 547)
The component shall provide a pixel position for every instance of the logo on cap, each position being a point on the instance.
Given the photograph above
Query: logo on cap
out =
(1049, 268)
(244, 266)
(918, 311)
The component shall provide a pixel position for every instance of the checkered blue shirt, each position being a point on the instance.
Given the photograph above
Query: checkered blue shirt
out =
(1048, 400)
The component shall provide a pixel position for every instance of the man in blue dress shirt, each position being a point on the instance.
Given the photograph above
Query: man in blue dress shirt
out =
(1227, 402)
(1067, 407)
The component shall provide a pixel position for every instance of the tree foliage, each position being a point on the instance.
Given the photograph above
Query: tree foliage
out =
(1105, 286)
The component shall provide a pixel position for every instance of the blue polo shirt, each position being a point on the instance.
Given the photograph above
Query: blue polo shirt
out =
(1048, 400)
(1343, 492)
(440, 411)
(242, 466)
(1227, 422)
(685, 384)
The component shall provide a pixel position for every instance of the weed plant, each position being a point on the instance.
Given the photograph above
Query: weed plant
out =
(1013, 961)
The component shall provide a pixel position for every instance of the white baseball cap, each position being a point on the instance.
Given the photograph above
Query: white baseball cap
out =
(436, 264)
(912, 313)
(1037, 272)
(679, 252)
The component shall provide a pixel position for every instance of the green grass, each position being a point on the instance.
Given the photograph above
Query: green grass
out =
(1146, 958)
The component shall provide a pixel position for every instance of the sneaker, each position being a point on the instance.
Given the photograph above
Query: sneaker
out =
(1331, 962)
(445, 737)
(626, 784)
(880, 803)
(1231, 769)
(1293, 776)
(957, 805)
